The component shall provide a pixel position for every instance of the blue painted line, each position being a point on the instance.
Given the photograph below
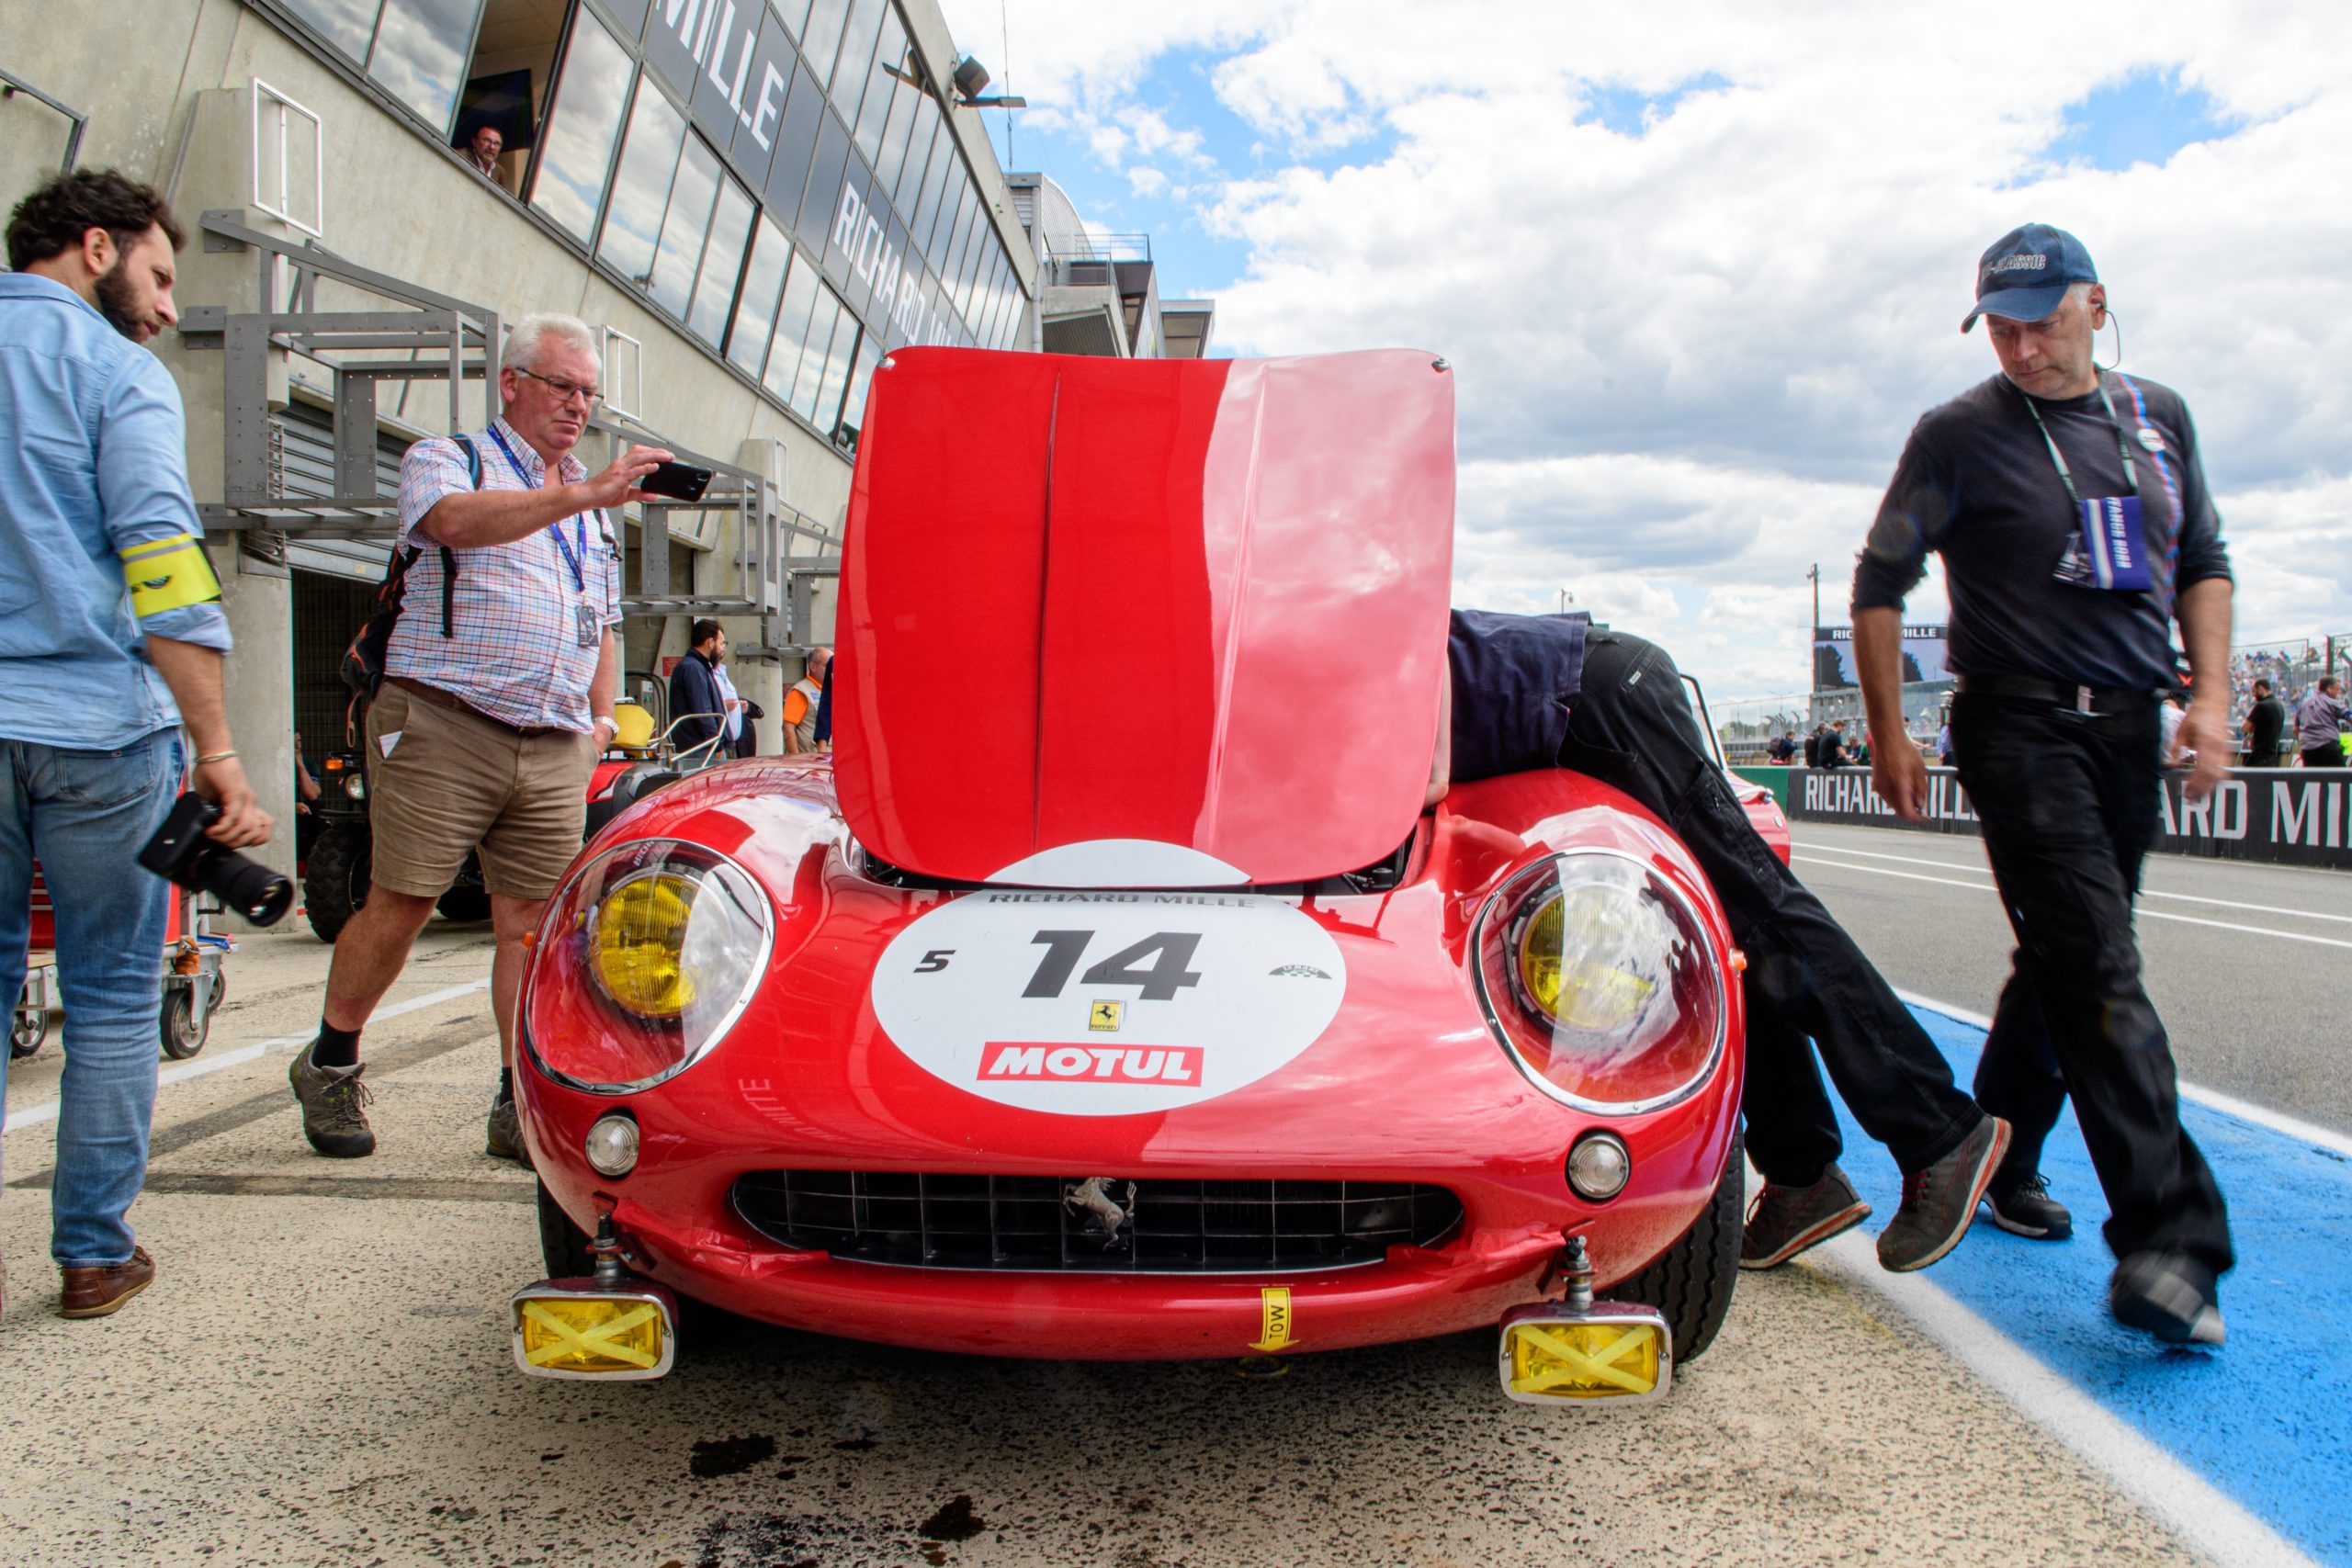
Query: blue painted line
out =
(2267, 1419)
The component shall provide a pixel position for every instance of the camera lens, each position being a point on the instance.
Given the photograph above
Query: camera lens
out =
(252, 889)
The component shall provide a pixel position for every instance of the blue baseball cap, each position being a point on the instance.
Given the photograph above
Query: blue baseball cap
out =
(2025, 273)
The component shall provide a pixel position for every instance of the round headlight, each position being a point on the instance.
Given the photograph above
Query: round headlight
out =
(645, 959)
(1599, 1166)
(1601, 981)
(611, 1145)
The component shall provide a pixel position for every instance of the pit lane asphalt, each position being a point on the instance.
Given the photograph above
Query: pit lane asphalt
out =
(321, 1375)
(2243, 960)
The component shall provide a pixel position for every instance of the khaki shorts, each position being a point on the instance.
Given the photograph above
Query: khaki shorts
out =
(454, 783)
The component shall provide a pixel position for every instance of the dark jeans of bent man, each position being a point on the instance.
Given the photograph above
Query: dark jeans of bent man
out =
(2068, 806)
(1632, 726)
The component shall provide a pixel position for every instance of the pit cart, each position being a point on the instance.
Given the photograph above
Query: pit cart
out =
(193, 981)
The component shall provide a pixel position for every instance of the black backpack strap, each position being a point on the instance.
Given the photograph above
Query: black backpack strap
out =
(448, 558)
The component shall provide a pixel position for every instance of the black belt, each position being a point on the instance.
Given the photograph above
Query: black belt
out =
(2058, 693)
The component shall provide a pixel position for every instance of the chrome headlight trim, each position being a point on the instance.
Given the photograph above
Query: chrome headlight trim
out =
(1502, 898)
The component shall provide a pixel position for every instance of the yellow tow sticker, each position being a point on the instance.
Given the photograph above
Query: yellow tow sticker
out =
(168, 574)
(1273, 1319)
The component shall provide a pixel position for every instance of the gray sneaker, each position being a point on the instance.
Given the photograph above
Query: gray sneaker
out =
(331, 1099)
(2169, 1295)
(504, 1137)
(1784, 1220)
(1940, 1202)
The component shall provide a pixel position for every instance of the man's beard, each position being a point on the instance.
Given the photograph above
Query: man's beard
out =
(119, 303)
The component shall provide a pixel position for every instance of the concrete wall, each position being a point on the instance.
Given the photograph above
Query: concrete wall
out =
(165, 83)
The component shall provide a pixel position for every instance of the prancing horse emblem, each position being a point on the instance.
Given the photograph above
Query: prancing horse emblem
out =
(1105, 1215)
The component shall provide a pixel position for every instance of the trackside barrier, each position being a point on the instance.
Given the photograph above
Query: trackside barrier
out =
(2293, 815)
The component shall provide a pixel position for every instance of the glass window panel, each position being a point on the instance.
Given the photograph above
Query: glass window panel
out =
(683, 230)
(858, 38)
(628, 14)
(882, 81)
(821, 38)
(795, 15)
(791, 328)
(922, 136)
(722, 258)
(420, 54)
(856, 237)
(889, 163)
(955, 214)
(346, 24)
(944, 163)
(837, 367)
(957, 273)
(641, 189)
(723, 87)
(822, 322)
(820, 204)
(852, 420)
(767, 86)
(672, 31)
(747, 343)
(590, 97)
(796, 138)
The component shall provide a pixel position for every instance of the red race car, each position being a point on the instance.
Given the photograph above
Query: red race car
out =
(1112, 994)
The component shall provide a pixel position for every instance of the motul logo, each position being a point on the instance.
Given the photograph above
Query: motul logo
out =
(1094, 1063)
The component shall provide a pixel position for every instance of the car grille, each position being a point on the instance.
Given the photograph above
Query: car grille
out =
(1022, 1221)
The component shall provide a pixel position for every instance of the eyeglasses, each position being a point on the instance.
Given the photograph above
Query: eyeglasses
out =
(565, 390)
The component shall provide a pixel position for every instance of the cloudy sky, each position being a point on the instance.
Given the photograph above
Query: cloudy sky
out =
(1699, 268)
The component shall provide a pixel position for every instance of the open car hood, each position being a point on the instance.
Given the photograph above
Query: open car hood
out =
(1117, 622)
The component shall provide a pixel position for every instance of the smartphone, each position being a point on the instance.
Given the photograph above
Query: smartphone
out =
(680, 481)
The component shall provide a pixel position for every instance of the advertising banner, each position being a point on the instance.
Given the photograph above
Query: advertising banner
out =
(2295, 815)
(1833, 657)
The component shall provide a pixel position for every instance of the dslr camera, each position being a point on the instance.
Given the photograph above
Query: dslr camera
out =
(180, 851)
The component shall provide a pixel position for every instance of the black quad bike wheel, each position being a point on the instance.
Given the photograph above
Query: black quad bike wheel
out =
(465, 901)
(1691, 1282)
(336, 883)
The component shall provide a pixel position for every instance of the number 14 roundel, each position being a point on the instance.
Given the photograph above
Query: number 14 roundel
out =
(1107, 1004)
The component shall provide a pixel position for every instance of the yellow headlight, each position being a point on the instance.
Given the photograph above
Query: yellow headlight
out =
(637, 945)
(621, 1336)
(1583, 1360)
(1563, 950)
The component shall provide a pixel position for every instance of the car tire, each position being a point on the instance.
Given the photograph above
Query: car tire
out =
(563, 1247)
(463, 903)
(1691, 1282)
(335, 886)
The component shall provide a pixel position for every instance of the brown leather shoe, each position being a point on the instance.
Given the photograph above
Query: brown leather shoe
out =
(94, 1292)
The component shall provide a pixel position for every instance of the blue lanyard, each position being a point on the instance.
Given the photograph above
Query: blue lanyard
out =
(574, 559)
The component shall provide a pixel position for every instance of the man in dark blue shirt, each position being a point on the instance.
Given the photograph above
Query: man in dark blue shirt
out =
(2070, 508)
(698, 707)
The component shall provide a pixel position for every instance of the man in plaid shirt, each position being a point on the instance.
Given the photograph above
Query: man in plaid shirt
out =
(489, 723)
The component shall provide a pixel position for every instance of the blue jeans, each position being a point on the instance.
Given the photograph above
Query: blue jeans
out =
(84, 816)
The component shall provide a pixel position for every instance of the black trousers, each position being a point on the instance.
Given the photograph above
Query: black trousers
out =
(1632, 726)
(2068, 804)
(2324, 757)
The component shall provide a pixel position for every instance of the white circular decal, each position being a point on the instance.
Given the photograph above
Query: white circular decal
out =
(1107, 1004)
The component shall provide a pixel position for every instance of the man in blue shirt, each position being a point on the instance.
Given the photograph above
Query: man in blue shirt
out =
(111, 636)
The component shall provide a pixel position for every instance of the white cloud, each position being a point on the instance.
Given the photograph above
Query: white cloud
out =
(1687, 357)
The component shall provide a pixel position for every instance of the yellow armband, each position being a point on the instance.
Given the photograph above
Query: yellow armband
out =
(168, 574)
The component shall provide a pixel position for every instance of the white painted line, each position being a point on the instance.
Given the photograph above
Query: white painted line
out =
(2197, 1510)
(2144, 892)
(2143, 912)
(2294, 1127)
(209, 1063)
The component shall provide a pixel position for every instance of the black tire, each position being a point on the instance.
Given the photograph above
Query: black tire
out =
(465, 903)
(183, 1035)
(335, 886)
(563, 1247)
(1690, 1283)
(28, 1027)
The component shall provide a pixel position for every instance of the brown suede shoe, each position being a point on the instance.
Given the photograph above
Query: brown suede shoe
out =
(94, 1292)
